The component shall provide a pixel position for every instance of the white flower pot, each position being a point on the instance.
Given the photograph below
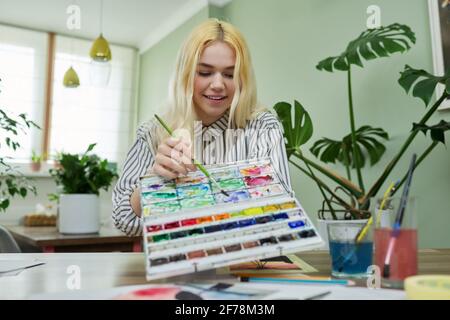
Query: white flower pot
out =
(79, 213)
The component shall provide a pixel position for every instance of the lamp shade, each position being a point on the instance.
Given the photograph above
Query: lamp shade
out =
(71, 79)
(100, 50)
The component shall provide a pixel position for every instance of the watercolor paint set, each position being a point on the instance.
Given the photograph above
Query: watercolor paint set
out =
(190, 226)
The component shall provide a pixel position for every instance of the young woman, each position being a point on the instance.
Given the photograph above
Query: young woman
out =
(213, 99)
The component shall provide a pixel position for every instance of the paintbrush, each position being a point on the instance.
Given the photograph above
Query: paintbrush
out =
(398, 218)
(195, 162)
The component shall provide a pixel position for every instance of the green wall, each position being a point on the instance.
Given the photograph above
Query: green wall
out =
(287, 38)
(157, 65)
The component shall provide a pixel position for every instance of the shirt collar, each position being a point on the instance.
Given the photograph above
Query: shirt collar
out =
(219, 124)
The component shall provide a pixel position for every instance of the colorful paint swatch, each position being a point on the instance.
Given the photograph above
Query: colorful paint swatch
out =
(271, 208)
(253, 211)
(222, 216)
(230, 184)
(204, 220)
(258, 181)
(266, 191)
(157, 186)
(196, 190)
(256, 170)
(188, 180)
(233, 247)
(250, 244)
(196, 254)
(154, 228)
(288, 205)
(214, 251)
(225, 174)
(158, 196)
(197, 202)
(233, 196)
(188, 222)
(164, 207)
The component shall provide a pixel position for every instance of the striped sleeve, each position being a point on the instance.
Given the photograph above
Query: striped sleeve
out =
(270, 143)
(139, 159)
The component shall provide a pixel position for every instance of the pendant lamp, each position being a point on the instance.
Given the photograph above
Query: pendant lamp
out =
(100, 53)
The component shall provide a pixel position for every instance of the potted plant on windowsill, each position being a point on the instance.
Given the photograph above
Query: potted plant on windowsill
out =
(350, 201)
(81, 177)
(35, 162)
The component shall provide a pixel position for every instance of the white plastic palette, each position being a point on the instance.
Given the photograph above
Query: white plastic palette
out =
(190, 226)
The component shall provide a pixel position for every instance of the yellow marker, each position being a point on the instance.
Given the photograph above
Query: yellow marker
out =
(362, 234)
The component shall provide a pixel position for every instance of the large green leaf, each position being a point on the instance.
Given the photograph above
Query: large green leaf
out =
(371, 44)
(422, 83)
(367, 138)
(436, 131)
(296, 132)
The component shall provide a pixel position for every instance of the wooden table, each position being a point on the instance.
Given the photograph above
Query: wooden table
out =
(108, 270)
(48, 239)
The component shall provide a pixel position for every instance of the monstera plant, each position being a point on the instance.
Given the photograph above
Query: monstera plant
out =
(351, 151)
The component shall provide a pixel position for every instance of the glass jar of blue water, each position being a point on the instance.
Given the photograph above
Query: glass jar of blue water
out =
(349, 259)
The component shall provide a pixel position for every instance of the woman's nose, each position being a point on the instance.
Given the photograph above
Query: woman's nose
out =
(217, 82)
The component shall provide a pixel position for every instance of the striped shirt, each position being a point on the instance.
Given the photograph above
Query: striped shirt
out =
(261, 138)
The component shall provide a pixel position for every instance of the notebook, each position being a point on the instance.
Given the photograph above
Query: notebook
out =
(189, 226)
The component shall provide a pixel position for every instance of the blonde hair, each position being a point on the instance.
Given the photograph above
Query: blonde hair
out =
(244, 106)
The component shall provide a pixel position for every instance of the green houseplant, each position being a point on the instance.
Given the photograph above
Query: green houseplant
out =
(12, 181)
(350, 197)
(81, 177)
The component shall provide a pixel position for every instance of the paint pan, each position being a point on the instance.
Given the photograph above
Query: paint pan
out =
(196, 190)
(177, 257)
(197, 202)
(158, 196)
(259, 181)
(253, 211)
(271, 208)
(250, 244)
(229, 185)
(256, 170)
(222, 216)
(158, 261)
(266, 191)
(226, 174)
(189, 180)
(234, 196)
(157, 186)
(196, 254)
(214, 251)
(233, 247)
(164, 207)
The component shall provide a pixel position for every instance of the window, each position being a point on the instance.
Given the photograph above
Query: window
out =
(90, 114)
(79, 116)
(23, 63)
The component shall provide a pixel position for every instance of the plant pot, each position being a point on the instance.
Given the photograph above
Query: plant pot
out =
(322, 228)
(79, 213)
(35, 166)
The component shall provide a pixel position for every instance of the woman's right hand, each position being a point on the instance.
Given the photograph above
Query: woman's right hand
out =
(173, 158)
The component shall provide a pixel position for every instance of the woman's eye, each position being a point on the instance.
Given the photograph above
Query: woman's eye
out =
(204, 74)
(228, 75)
